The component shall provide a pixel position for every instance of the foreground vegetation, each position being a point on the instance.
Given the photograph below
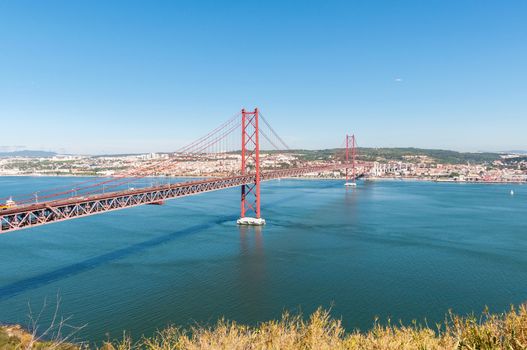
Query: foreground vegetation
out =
(16, 338)
(320, 331)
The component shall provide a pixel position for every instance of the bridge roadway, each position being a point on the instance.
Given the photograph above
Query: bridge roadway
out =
(43, 213)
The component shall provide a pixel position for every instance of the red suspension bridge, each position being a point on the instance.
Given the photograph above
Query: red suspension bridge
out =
(97, 196)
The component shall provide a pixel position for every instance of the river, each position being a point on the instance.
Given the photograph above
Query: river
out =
(404, 250)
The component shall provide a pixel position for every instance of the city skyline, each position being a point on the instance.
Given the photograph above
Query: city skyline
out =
(127, 77)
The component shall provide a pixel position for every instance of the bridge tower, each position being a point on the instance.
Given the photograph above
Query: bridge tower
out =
(250, 193)
(350, 142)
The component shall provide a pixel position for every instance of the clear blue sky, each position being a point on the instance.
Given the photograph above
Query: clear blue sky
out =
(140, 76)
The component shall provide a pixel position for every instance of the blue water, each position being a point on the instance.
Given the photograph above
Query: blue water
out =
(405, 250)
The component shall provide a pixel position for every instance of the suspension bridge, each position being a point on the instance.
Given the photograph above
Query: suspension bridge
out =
(98, 196)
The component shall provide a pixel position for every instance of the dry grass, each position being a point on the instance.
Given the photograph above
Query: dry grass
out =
(320, 331)
(16, 338)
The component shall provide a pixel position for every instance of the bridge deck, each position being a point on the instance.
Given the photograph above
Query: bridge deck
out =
(66, 209)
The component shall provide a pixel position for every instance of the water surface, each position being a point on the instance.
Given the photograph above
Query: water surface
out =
(405, 250)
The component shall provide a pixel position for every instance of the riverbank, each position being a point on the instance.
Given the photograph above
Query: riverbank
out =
(423, 179)
(419, 179)
(319, 331)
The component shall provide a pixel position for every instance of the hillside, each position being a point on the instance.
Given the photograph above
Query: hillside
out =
(408, 154)
(27, 154)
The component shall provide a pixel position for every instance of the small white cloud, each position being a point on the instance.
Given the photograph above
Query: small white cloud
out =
(398, 80)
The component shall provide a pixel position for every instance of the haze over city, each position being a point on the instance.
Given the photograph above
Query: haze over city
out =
(124, 77)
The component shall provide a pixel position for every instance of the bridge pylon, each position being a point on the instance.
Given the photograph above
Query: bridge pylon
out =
(350, 143)
(250, 154)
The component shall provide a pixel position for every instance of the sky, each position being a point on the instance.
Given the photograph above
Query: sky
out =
(112, 76)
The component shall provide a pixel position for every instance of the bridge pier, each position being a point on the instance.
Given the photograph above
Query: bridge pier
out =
(251, 221)
(250, 193)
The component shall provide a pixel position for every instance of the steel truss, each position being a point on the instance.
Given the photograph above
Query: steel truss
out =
(60, 210)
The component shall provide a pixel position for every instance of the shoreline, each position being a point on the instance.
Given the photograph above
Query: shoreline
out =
(372, 179)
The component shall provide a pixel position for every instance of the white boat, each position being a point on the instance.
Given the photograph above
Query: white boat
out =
(10, 203)
(350, 184)
(512, 193)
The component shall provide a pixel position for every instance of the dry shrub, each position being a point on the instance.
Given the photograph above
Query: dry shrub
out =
(321, 332)
(491, 331)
